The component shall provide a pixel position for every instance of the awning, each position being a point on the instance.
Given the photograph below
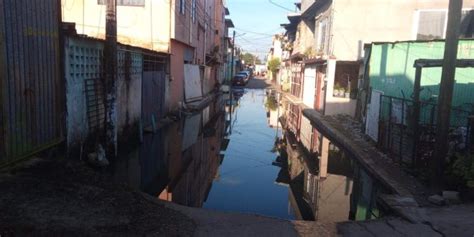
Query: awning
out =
(229, 23)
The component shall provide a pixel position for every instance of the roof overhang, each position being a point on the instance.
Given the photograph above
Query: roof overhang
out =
(297, 56)
(294, 18)
(312, 11)
(318, 61)
(229, 23)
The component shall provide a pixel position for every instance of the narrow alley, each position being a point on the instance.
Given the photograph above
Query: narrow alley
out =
(236, 118)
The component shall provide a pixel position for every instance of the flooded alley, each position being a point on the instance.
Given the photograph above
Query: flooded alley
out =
(221, 158)
(236, 155)
(236, 118)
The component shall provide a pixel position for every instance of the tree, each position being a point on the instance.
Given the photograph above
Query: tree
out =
(274, 66)
(250, 58)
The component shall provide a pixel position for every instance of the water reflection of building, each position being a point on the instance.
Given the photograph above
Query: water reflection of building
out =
(273, 108)
(179, 162)
(326, 184)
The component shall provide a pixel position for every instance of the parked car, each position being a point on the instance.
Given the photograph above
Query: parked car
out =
(247, 72)
(239, 80)
(244, 75)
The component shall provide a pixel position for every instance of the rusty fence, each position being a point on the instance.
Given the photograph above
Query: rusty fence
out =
(412, 143)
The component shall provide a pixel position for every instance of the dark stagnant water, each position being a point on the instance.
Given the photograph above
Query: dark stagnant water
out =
(234, 156)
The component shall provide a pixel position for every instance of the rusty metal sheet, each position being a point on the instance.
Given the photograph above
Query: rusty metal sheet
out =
(32, 99)
(2, 84)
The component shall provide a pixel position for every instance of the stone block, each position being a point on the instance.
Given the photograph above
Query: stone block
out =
(437, 200)
(451, 197)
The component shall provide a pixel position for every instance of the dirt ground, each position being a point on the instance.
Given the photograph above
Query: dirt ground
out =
(46, 197)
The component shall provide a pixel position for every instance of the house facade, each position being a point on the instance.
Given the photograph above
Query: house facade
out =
(191, 32)
(330, 36)
(171, 57)
(137, 21)
(198, 44)
(389, 110)
(330, 70)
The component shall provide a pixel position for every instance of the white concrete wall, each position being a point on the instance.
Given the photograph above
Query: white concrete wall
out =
(277, 50)
(309, 88)
(77, 127)
(377, 20)
(147, 27)
(129, 101)
(78, 70)
(305, 4)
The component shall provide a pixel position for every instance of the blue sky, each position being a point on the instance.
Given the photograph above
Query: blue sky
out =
(256, 20)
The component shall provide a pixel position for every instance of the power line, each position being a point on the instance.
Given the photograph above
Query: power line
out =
(280, 6)
(253, 32)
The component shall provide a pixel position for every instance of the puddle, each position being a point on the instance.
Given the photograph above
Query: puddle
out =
(233, 156)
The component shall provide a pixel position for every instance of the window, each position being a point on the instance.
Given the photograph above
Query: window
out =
(182, 6)
(133, 3)
(467, 24)
(432, 24)
(193, 10)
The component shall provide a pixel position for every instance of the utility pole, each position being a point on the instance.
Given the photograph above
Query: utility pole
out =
(255, 58)
(231, 94)
(110, 59)
(446, 93)
(232, 63)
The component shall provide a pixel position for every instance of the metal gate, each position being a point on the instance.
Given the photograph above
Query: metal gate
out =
(372, 122)
(31, 90)
(154, 88)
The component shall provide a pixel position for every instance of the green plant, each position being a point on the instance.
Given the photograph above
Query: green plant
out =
(274, 65)
(250, 58)
(463, 167)
(310, 52)
(272, 103)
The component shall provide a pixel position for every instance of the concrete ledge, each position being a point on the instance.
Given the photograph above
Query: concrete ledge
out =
(363, 151)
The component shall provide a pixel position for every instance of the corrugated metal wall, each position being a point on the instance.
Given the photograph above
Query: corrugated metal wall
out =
(31, 94)
(392, 71)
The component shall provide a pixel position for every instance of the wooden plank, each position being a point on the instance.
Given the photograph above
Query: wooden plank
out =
(3, 76)
(426, 63)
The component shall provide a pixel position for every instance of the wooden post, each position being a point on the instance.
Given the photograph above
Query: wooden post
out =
(3, 79)
(110, 59)
(416, 114)
(446, 93)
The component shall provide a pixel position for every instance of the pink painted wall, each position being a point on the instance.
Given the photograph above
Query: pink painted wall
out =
(176, 86)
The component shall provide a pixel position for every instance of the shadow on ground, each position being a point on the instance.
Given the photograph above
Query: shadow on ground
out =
(65, 198)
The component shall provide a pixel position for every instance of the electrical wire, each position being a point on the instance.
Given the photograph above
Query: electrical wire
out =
(280, 6)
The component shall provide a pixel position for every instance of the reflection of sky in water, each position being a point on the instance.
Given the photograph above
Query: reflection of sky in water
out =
(247, 178)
